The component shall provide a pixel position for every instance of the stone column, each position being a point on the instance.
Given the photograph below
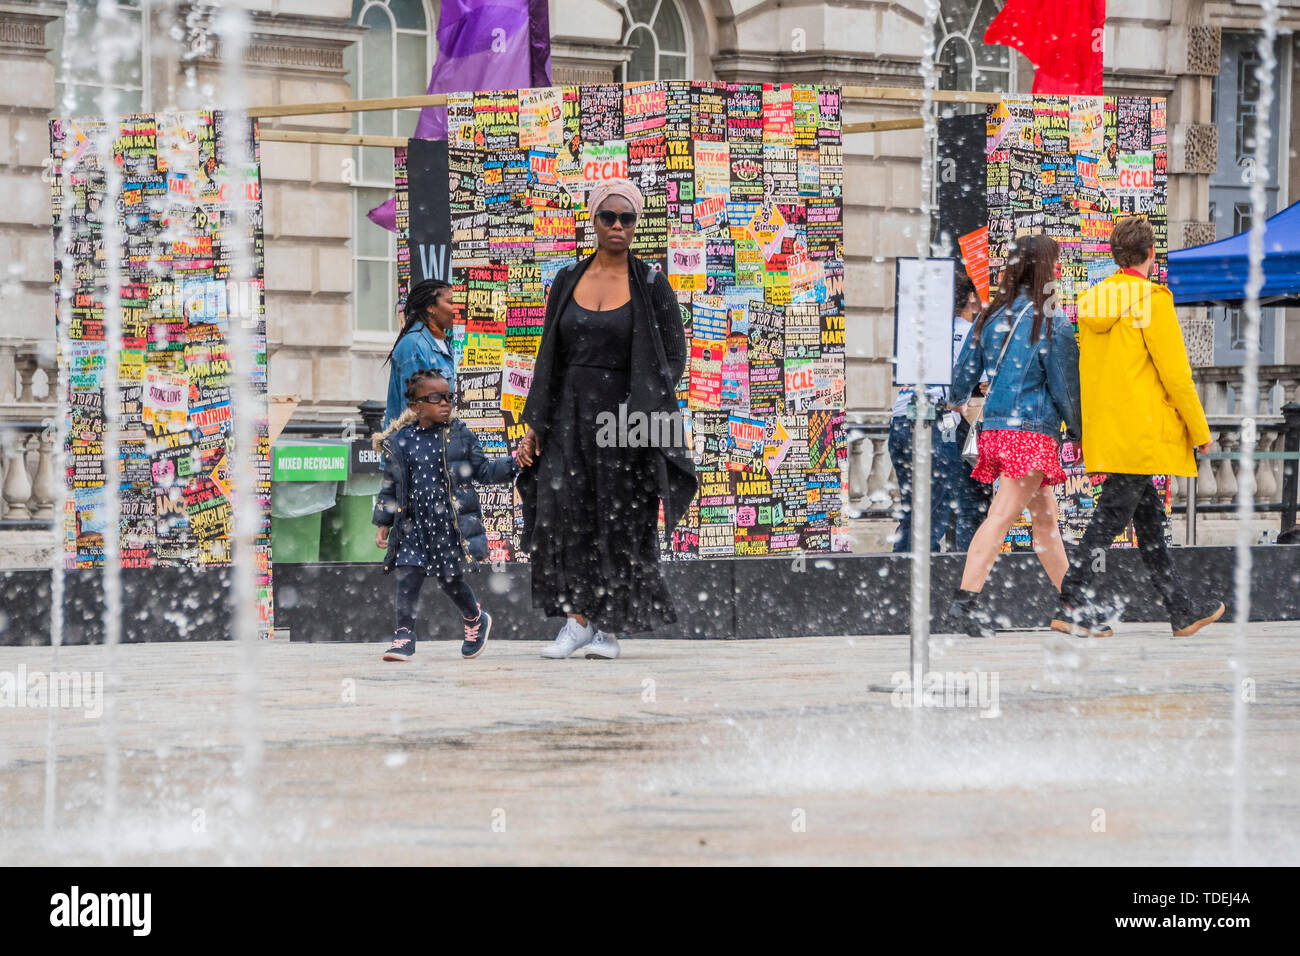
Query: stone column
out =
(1193, 155)
(26, 99)
(295, 55)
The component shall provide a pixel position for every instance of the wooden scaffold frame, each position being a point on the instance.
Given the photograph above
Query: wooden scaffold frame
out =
(895, 93)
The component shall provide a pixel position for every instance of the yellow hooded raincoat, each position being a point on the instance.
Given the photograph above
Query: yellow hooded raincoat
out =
(1141, 414)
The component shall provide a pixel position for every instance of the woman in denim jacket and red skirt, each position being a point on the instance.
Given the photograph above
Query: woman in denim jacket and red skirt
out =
(1032, 393)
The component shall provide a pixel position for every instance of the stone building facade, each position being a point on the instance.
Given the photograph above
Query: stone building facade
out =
(328, 272)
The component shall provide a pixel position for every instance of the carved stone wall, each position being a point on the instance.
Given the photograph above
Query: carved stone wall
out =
(1200, 148)
(1197, 233)
(1204, 43)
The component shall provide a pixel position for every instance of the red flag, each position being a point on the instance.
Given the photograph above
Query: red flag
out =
(1062, 38)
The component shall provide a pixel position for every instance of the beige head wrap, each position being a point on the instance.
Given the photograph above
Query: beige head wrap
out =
(616, 187)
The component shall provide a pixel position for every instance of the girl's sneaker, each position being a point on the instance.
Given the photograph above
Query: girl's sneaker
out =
(571, 637)
(603, 647)
(403, 646)
(476, 636)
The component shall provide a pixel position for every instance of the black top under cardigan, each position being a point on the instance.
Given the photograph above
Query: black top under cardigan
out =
(658, 359)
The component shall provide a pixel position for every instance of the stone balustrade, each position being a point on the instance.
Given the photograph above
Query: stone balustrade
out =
(27, 473)
(1220, 390)
(873, 486)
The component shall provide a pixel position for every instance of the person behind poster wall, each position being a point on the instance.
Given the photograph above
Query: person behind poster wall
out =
(969, 496)
(945, 462)
(1141, 417)
(423, 342)
(1026, 346)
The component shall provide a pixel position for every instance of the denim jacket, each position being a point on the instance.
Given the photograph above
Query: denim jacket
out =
(1037, 387)
(415, 351)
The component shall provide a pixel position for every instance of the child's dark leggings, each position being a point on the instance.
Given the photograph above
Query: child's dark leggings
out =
(409, 582)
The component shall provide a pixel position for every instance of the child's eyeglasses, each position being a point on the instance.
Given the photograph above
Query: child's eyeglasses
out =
(607, 218)
(433, 398)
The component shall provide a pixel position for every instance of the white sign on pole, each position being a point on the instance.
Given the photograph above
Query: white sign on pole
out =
(923, 339)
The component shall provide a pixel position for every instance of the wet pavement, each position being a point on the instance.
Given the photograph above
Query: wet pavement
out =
(1031, 748)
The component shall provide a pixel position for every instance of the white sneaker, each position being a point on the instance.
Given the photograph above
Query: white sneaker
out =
(603, 647)
(571, 637)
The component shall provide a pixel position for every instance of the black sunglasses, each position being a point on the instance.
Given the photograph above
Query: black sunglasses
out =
(608, 217)
(434, 398)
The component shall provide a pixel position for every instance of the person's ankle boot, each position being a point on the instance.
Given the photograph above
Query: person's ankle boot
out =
(967, 617)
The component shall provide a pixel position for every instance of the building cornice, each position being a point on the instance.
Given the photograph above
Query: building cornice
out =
(814, 67)
(22, 27)
(281, 42)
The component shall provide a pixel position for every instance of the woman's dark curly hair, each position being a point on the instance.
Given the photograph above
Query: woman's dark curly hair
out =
(417, 304)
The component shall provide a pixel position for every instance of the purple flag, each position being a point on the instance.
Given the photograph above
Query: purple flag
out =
(482, 45)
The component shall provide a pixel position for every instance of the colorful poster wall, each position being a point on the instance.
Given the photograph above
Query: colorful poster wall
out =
(177, 213)
(743, 188)
(1070, 167)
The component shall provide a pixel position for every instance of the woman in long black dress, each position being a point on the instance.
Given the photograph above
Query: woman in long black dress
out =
(612, 337)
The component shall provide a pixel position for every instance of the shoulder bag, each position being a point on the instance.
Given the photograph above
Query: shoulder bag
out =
(970, 451)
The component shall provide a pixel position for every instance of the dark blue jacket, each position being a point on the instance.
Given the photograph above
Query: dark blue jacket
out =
(463, 464)
(1037, 387)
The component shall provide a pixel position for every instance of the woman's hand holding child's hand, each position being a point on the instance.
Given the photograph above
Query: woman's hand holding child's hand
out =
(528, 449)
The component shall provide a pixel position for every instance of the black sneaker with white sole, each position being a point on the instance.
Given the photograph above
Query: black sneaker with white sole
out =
(476, 635)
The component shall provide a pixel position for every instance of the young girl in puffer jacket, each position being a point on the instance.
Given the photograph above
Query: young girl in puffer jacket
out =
(428, 513)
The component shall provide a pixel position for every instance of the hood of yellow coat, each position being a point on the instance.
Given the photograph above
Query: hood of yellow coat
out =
(1119, 297)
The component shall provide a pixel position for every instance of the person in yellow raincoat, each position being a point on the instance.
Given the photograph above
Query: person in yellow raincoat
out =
(1141, 417)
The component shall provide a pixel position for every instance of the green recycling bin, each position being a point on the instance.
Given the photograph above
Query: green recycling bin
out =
(296, 509)
(346, 532)
(295, 540)
(305, 478)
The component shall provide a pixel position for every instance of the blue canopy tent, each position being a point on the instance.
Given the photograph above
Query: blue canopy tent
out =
(1217, 271)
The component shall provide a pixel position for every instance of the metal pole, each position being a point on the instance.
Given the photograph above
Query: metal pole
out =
(1190, 539)
(921, 434)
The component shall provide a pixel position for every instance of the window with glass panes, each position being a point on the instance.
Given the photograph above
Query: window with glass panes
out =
(392, 59)
(81, 77)
(964, 60)
(657, 33)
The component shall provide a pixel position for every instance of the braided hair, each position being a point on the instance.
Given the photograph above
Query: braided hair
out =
(418, 301)
(408, 416)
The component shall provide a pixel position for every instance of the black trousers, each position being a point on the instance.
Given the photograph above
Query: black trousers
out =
(1125, 497)
(409, 582)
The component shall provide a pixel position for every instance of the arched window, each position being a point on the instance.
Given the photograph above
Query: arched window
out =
(130, 74)
(392, 59)
(964, 60)
(657, 33)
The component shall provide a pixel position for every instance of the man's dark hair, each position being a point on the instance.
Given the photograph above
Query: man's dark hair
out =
(1131, 241)
(962, 293)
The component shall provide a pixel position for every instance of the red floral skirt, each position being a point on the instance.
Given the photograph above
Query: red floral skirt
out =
(1010, 453)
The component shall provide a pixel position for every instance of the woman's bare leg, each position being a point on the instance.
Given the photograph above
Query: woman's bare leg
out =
(1009, 503)
(1047, 534)
(580, 618)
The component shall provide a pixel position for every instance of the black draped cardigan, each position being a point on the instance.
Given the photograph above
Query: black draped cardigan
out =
(658, 359)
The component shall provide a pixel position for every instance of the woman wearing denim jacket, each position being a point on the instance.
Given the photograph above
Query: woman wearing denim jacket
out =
(1032, 393)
